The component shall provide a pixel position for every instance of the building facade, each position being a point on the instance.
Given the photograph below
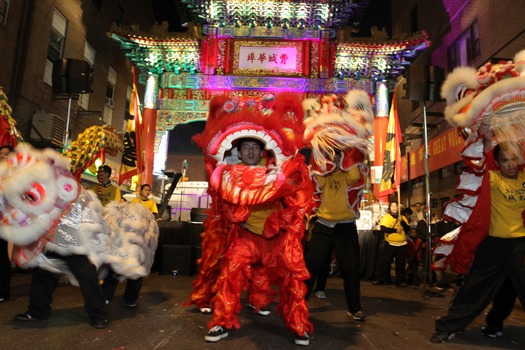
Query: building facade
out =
(462, 32)
(36, 33)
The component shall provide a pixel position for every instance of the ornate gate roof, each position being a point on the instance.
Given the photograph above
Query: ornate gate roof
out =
(306, 13)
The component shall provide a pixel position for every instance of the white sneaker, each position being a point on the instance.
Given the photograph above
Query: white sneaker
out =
(302, 339)
(262, 312)
(205, 310)
(215, 334)
(320, 294)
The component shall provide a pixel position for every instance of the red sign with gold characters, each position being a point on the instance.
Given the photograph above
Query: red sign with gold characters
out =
(268, 57)
(443, 150)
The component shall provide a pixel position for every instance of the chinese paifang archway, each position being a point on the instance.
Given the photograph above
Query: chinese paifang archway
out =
(249, 48)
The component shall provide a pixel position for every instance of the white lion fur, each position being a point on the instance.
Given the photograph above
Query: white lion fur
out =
(461, 78)
(357, 117)
(519, 61)
(126, 241)
(134, 232)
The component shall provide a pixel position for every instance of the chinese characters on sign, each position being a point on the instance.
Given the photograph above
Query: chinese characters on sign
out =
(271, 58)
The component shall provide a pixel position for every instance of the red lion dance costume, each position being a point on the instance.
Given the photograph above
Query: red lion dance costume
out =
(229, 252)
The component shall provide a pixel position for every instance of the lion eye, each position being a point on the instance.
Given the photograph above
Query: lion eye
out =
(462, 92)
(34, 195)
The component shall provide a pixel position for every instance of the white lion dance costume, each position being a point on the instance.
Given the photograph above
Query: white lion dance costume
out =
(43, 209)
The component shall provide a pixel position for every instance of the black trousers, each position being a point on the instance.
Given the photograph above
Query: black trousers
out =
(131, 293)
(44, 283)
(390, 252)
(322, 278)
(344, 240)
(502, 305)
(5, 271)
(495, 261)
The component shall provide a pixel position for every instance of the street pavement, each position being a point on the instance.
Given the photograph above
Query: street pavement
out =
(397, 318)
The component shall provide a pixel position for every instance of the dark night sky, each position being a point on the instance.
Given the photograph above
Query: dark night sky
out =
(180, 138)
(171, 11)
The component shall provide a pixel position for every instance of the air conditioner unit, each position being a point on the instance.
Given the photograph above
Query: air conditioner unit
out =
(47, 129)
(109, 102)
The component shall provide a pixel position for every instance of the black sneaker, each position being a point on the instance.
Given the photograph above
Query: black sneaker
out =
(100, 324)
(302, 339)
(492, 332)
(26, 317)
(262, 312)
(215, 334)
(130, 305)
(440, 337)
(358, 316)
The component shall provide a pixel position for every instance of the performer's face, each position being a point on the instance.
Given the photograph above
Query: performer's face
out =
(102, 176)
(4, 153)
(508, 164)
(393, 208)
(145, 192)
(250, 152)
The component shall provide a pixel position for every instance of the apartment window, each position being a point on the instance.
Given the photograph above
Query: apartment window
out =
(55, 47)
(465, 48)
(89, 53)
(110, 87)
(110, 93)
(89, 56)
(4, 11)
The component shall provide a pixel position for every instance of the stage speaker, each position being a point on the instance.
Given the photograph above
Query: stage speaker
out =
(416, 82)
(178, 259)
(423, 82)
(434, 92)
(435, 74)
(198, 214)
(416, 91)
(71, 77)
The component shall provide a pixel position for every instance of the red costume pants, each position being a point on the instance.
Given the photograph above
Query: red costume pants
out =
(249, 258)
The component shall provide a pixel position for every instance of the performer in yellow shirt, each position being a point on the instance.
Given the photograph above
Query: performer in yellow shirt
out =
(145, 192)
(498, 262)
(395, 227)
(105, 190)
(335, 229)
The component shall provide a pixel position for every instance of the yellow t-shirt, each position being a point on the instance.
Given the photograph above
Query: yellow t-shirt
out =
(149, 203)
(258, 216)
(397, 238)
(107, 193)
(507, 204)
(334, 197)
